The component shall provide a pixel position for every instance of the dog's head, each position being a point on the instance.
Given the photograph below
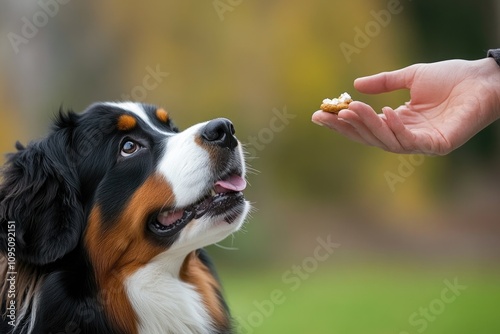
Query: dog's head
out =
(124, 183)
(118, 191)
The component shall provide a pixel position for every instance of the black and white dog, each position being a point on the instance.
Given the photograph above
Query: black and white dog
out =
(102, 224)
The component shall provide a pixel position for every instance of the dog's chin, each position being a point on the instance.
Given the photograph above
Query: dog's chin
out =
(209, 228)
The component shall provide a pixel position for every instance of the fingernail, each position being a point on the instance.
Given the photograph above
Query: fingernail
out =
(317, 122)
(344, 120)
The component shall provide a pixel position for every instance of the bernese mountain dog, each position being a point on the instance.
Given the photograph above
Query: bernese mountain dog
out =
(103, 221)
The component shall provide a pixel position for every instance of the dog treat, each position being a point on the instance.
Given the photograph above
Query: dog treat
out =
(337, 104)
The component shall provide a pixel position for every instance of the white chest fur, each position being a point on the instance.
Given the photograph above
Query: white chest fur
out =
(165, 304)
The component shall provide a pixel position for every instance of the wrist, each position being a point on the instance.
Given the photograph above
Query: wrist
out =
(490, 70)
(495, 54)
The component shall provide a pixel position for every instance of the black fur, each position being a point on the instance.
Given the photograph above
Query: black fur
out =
(40, 193)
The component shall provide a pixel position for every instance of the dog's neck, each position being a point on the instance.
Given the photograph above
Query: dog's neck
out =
(170, 296)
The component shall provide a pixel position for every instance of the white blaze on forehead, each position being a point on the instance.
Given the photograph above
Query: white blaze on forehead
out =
(137, 110)
(186, 166)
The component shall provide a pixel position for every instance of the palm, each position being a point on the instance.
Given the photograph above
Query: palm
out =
(440, 110)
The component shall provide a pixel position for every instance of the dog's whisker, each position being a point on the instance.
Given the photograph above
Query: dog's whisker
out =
(225, 247)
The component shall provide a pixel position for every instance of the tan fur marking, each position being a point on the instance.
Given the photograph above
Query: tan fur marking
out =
(213, 151)
(162, 115)
(118, 252)
(126, 122)
(193, 271)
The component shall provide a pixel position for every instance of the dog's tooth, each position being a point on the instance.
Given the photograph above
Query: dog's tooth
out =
(212, 192)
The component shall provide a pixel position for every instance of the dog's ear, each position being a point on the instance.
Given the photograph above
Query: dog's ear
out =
(39, 200)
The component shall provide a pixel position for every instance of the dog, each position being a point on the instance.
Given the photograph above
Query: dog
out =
(104, 220)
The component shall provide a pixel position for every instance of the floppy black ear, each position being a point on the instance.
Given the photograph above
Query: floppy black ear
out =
(39, 197)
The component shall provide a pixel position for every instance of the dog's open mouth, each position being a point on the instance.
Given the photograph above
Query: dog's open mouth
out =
(223, 199)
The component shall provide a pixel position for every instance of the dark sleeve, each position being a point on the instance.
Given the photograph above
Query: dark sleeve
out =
(495, 54)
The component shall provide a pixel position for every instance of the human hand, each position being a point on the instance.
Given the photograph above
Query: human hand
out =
(450, 102)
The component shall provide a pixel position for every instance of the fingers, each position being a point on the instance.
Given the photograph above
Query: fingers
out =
(404, 136)
(386, 81)
(332, 122)
(370, 126)
(355, 123)
(416, 141)
(361, 124)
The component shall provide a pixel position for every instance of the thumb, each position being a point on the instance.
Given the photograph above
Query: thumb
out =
(386, 81)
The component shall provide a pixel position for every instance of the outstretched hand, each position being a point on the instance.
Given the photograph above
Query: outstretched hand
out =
(450, 102)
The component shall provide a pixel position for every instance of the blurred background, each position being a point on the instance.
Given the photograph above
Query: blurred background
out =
(343, 238)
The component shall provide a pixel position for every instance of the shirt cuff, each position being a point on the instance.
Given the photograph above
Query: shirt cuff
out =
(495, 54)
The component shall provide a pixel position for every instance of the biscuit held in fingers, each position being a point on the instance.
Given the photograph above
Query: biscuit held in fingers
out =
(337, 104)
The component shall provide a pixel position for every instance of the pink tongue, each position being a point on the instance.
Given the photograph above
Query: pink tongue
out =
(171, 218)
(233, 183)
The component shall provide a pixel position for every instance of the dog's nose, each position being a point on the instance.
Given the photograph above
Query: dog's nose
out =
(220, 132)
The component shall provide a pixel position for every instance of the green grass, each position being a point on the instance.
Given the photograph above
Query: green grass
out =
(364, 299)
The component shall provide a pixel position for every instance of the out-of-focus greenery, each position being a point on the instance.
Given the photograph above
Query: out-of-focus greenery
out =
(251, 61)
(368, 298)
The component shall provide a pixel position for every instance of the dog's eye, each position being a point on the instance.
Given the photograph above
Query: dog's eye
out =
(129, 147)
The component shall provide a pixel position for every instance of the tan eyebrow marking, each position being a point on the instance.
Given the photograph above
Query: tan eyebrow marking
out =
(162, 115)
(126, 122)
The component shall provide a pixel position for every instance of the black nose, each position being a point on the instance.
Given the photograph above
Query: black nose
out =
(220, 132)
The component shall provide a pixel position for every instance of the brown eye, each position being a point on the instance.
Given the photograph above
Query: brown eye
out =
(128, 148)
